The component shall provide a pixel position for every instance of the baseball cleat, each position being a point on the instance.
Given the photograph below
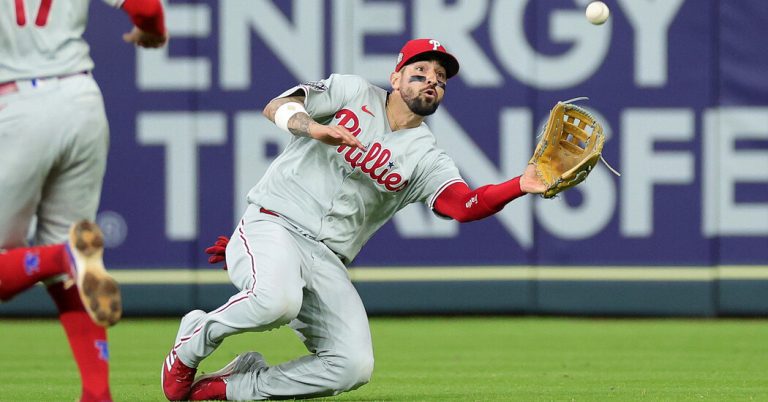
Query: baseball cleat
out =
(213, 386)
(176, 378)
(98, 291)
(209, 389)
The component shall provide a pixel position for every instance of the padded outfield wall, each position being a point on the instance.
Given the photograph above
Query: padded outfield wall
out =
(681, 86)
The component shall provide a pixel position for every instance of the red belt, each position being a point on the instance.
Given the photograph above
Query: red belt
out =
(268, 212)
(8, 88)
(11, 87)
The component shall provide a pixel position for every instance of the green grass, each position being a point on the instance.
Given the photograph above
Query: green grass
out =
(440, 359)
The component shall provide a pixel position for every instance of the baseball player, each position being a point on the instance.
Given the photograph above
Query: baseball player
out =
(358, 155)
(53, 150)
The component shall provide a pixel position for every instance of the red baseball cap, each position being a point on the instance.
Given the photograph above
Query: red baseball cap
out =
(417, 47)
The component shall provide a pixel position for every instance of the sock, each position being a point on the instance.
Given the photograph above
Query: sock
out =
(21, 268)
(87, 340)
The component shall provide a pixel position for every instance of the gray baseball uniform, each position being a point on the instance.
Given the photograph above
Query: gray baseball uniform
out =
(53, 128)
(308, 217)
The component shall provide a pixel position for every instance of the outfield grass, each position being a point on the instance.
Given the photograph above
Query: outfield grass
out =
(440, 359)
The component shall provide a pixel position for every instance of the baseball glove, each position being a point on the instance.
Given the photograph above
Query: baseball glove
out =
(569, 147)
(218, 251)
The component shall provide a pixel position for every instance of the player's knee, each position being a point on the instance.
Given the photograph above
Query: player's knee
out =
(364, 370)
(351, 372)
(280, 307)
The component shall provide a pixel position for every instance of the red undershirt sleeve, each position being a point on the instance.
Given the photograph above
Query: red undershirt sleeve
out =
(464, 205)
(147, 15)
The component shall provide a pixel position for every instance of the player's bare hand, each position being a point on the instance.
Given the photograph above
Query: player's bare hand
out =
(530, 181)
(334, 135)
(145, 39)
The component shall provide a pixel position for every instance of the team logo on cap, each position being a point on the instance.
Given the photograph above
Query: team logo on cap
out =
(435, 44)
(399, 58)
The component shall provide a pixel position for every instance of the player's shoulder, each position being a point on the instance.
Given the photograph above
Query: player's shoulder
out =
(418, 140)
(351, 81)
(424, 135)
(349, 78)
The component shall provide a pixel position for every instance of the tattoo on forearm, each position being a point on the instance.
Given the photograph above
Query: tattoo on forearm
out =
(299, 123)
(271, 108)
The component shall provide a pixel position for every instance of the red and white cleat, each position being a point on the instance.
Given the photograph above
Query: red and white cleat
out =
(209, 389)
(213, 386)
(176, 378)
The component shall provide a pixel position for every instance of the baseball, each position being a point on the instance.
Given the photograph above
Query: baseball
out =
(597, 12)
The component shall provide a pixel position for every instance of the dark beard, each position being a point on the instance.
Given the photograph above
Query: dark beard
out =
(419, 106)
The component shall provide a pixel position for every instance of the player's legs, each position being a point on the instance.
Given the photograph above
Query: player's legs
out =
(72, 187)
(72, 190)
(37, 129)
(77, 129)
(23, 267)
(264, 264)
(71, 193)
(26, 155)
(334, 326)
(87, 341)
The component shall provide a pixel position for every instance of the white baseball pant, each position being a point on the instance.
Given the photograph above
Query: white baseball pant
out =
(53, 150)
(285, 277)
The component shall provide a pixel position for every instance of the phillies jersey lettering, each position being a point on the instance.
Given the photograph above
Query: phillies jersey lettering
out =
(43, 38)
(341, 195)
(376, 158)
(370, 162)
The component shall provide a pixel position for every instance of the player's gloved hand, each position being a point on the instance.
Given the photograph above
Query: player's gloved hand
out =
(530, 182)
(145, 39)
(570, 145)
(218, 251)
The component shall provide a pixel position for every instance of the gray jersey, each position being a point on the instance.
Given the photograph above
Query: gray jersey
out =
(43, 38)
(341, 195)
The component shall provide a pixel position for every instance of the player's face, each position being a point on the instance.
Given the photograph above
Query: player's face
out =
(422, 86)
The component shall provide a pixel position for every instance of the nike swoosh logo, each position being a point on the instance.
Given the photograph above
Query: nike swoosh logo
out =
(365, 109)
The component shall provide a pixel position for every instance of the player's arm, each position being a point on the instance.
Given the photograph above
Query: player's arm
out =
(461, 203)
(289, 114)
(148, 19)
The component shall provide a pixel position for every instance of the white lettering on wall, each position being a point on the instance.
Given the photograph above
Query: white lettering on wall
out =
(726, 166)
(297, 42)
(360, 19)
(454, 24)
(643, 167)
(181, 133)
(156, 70)
(588, 46)
(650, 20)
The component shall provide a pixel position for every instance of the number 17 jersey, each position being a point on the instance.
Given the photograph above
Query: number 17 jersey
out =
(44, 38)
